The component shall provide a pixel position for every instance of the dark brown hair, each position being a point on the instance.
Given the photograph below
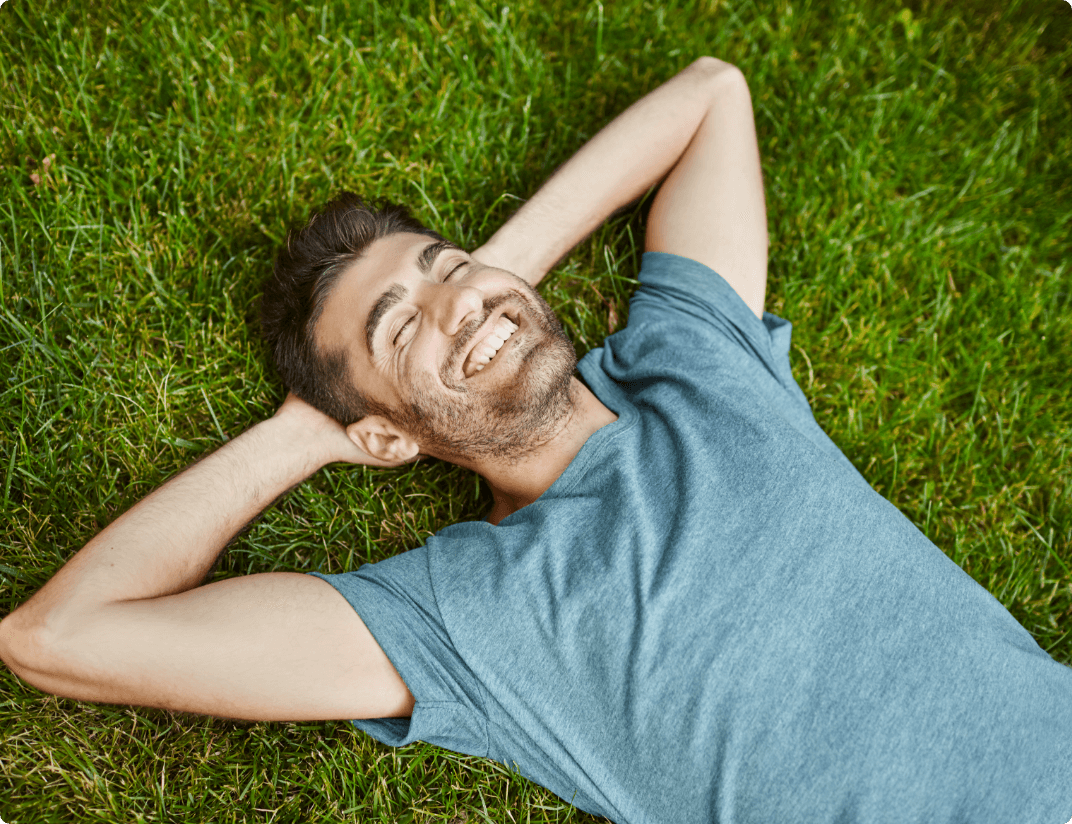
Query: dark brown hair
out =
(305, 272)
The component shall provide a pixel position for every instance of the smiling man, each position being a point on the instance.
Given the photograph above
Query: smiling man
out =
(469, 360)
(686, 605)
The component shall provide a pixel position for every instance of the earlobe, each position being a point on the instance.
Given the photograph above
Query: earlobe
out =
(382, 440)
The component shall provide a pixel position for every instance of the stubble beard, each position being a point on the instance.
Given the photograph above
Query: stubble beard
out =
(503, 422)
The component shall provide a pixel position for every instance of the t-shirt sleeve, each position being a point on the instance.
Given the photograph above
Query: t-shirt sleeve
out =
(689, 293)
(395, 600)
(685, 316)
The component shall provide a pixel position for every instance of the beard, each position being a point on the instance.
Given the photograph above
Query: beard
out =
(503, 419)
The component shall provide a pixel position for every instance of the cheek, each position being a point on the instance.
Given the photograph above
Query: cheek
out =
(424, 368)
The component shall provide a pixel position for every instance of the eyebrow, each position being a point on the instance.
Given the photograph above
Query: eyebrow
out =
(428, 255)
(397, 293)
(386, 302)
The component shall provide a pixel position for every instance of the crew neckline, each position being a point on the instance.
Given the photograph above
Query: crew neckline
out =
(611, 396)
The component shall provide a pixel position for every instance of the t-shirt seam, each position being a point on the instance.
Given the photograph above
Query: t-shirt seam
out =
(676, 315)
(482, 690)
(596, 451)
(578, 793)
(656, 286)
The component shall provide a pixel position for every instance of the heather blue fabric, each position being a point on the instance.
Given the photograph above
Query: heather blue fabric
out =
(711, 617)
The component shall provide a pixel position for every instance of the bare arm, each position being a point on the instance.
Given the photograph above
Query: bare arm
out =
(125, 622)
(697, 132)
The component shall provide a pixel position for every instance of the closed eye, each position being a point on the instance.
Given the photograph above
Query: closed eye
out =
(413, 318)
(398, 334)
(455, 270)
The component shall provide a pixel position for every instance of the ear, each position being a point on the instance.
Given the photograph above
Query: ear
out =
(378, 437)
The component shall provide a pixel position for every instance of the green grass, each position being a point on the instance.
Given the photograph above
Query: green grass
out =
(918, 162)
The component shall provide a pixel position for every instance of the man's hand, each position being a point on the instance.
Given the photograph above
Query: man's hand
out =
(326, 438)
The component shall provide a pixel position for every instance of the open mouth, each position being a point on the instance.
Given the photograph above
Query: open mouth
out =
(489, 346)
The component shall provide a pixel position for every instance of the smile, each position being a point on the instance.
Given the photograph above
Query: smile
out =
(485, 350)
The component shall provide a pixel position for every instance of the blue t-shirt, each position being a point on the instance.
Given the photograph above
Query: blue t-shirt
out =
(711, 616)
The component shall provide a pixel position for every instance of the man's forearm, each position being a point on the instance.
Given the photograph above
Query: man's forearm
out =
(124, 621)
(631, 154)
(168, 541)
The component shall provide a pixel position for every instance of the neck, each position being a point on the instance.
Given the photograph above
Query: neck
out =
(518, 483)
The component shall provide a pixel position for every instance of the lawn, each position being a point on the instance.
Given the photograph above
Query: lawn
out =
(918, 167)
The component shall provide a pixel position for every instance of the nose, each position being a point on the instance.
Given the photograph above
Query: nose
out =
(455, 306)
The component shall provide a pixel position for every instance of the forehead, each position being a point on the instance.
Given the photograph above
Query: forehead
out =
(387, 261)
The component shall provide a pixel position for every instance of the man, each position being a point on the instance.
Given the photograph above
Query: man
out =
(685, 605)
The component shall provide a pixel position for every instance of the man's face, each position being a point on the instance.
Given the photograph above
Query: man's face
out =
(470, 360)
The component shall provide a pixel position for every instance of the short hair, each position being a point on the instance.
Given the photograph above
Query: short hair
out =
(305, 272)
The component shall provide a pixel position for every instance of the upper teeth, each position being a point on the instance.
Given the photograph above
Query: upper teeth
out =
(484, 351)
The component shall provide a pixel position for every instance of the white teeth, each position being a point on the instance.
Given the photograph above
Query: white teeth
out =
(481, 357)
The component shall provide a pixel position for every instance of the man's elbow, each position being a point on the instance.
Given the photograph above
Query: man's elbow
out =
(24, 648)
(11, 641)
(719, 71)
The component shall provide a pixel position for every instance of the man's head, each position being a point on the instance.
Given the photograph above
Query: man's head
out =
(305, 273)
(405, 339)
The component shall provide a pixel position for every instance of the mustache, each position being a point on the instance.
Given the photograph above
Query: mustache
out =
(468, 332)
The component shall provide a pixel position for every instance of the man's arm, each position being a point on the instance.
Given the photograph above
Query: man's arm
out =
(697, 132)
(124, 621)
